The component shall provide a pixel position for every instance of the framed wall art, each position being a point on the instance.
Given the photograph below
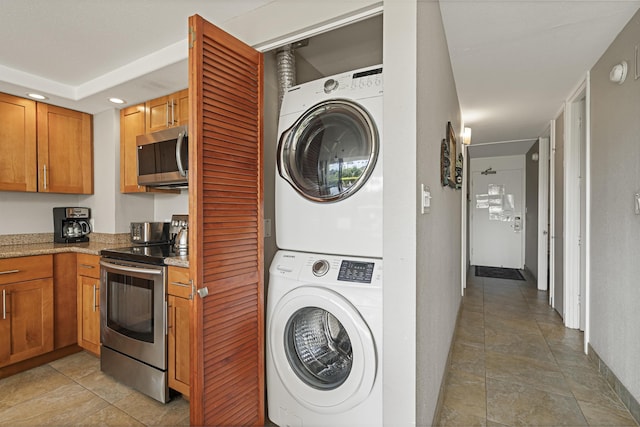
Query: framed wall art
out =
(452, 146)
(445, 163)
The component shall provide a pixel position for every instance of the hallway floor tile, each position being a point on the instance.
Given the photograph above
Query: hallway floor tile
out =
(514, 363)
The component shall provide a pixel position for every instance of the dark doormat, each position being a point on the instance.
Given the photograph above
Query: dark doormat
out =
(499, 273)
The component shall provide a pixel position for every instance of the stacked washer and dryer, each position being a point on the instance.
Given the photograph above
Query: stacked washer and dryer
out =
(324, 303)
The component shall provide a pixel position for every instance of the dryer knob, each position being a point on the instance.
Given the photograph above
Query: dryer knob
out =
(320, 267)
(330, 85)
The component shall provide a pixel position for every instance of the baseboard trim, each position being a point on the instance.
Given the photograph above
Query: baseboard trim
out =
(443, 380)
(25, 365)
(627, 399)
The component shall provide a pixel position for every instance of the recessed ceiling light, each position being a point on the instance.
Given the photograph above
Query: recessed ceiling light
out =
(37, 96)
(117, 100)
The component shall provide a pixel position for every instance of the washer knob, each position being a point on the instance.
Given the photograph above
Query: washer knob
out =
(320, 267)
(330, 85)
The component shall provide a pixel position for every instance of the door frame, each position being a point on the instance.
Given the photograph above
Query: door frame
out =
(572, 270)
(464, 224)
(552, 208)
(543, 212)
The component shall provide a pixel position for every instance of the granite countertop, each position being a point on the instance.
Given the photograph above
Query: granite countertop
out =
(28, 249)
(177, 261)
(19, 245)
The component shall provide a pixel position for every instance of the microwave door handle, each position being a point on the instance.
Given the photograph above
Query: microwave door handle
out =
(181, 136)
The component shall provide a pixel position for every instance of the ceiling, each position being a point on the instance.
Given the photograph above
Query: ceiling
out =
(514, 61)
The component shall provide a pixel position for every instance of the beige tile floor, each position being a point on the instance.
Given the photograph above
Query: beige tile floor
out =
(514, 364)
(74, 392)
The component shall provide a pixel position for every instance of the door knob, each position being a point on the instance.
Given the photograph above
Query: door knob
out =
(203, 292)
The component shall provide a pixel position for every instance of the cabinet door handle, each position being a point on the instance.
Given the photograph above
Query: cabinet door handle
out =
(95, 291)
(167, 116)
(44, 178)
(87, 266)
(9, 271)
(173, 112)
(4, 304)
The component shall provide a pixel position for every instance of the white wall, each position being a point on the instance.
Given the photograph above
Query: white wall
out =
(270, 144)
(615, 228)
(111, 210)
(165, 205)
(106, 140)
(23, 213)
(438, 255)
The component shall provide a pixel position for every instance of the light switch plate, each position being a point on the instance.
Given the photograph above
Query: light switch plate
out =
(425, 194)
(267, 227)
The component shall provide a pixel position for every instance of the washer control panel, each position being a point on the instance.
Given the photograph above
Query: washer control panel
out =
(356, 271)
(321, 269)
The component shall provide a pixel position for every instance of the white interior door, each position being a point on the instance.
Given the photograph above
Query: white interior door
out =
(497, 217)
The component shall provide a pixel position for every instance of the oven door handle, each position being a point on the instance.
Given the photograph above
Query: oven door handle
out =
(128, 269)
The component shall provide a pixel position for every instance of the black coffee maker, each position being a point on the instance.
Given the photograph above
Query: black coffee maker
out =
(71, 225)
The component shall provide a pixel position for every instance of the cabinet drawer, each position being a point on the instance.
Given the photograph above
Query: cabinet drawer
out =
(179, 282)
(88, 265)
(14, 270)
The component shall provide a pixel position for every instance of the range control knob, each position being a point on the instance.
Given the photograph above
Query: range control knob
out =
(320, 267)
(330, 85)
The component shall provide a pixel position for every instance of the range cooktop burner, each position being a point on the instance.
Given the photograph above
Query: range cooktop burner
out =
(149, 254)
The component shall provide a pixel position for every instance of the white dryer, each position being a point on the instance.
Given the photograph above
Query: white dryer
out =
(329, 178)
(324, 340)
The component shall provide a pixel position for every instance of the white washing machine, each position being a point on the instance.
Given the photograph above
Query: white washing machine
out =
(329, 179)
(324, 340)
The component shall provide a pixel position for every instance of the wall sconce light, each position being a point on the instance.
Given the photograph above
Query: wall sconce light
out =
(618, 73)
(466, 136)
(535, 157)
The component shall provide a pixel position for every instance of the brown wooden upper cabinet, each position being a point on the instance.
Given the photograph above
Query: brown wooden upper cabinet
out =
(18, 144)
(65, 150)
(167, 111)
(132, 121)
(44, 148)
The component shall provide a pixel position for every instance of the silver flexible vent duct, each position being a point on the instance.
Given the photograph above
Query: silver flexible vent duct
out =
(286, 62)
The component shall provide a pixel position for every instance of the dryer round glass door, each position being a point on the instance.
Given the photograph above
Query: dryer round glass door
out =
(330, 151)
(322, 349)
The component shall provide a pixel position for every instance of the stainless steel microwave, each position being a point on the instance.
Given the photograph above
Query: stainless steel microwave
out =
(163, 158)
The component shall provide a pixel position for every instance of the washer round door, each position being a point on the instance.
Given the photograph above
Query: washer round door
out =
(322, 349)
(329, 153)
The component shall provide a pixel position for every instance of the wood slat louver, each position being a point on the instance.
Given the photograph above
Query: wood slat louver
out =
(225, 214)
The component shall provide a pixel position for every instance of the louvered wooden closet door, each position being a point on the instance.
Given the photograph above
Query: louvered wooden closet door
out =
(226, 248)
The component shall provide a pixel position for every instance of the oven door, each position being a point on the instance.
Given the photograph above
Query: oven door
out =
(133, 310)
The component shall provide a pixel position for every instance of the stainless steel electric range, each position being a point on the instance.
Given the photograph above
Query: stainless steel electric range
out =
(133, 315)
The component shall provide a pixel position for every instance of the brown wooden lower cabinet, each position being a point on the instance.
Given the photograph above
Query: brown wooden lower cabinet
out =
(88, 302)
(64, 300)
(179, 303)
(26, 308)
(26, 320)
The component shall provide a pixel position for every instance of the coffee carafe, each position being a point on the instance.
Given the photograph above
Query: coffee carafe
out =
(71, 225)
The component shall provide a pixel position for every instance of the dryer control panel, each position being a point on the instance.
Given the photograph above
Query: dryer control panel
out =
(358, 80)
